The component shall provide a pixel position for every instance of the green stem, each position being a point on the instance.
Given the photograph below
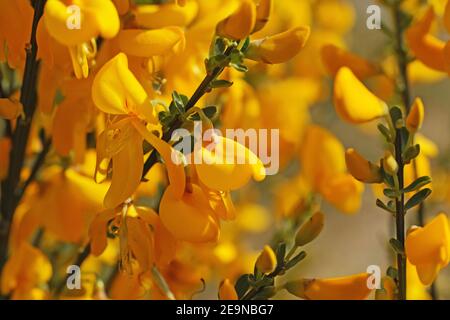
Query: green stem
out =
(202, 89)
(10, 193)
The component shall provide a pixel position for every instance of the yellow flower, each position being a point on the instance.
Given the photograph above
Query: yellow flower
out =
(335, 58)
(310, 229)
(361, 169)
(323, 166)
(26, 270)
(97, 18)
(425, 46)
(116, 91)
(352, 287)
(148, 43)
(227, 291)
(229, 166)
(353, 101)
(278, 48)
(241, 23)
(267, 261)
(189, 218)
(154, 16)
(415, 117)
(335, 15)
(428, 248)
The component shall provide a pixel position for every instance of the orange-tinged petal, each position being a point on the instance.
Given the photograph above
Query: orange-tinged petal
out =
(98, 230)
(335, 58)
(279, 48)
(127, 167)
(10, 110)
(426, 47)
(227, 291)
(352, 287)
(189, 218)
(241, 23)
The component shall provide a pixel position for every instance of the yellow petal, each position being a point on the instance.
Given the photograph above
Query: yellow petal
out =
(322, 156)
(447, 16)
(168, 14)
(428, 248)
(189, 218)
(97, 18)
(241, 23)
(116, 90)
(335, 58)
(352, 287)
(361, 169)
(344, 192)
(353, 101)
(267, 260)
(128, 165)
(310, 229)
(148, 43)
(229, 166)
(263, 12)
(279, 48)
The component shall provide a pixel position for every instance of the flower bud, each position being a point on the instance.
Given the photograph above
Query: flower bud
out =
(353, 287)
(227, 291)
(280, 47)
(415, 118)
(263, 11)
(361, 169)
(310, 230)
(267, 260)
(390, 165)
(240, 24)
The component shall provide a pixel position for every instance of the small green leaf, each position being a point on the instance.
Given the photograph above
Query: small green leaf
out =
(381, 205)
(391, 193)
(242, 285)
(411, 153)
(417, 198)
(397, 246)
(295, 260)
(280, 253)
(417, 184)
(221, 84)
(385, 132)
(396, 114)
(392, 273)
(239, 67)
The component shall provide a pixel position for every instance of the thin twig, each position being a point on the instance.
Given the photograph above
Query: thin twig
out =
(9, 198)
